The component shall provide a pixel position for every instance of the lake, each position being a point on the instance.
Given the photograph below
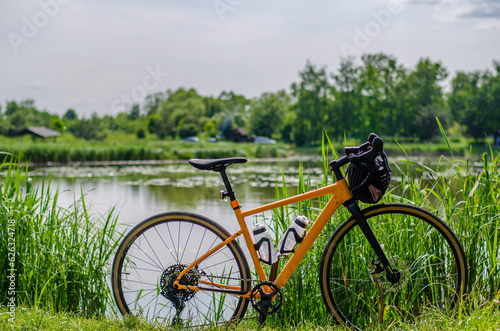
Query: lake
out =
(140, 191)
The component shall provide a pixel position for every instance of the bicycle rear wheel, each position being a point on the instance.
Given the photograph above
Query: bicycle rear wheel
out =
(424, 250)
(154, 253)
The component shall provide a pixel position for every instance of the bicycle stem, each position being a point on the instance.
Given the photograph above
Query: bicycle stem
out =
(393, 275)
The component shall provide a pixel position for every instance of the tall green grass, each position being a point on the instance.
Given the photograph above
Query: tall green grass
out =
(61, 255)
(464, 193)
(302, 296)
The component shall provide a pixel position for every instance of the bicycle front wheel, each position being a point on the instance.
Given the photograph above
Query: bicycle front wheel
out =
(155, 252)
(418, 244)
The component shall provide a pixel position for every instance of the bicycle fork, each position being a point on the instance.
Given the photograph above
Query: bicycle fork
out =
(392, 275)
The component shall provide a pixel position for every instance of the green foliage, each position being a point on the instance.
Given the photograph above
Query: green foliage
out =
(475, 101)
(58, 125)
(70, 115)
(19, 116)
(464, 195)
(121, 147)
(267, 114)
(375, 94)
(312, 106)
(61, 255)
(483, 318)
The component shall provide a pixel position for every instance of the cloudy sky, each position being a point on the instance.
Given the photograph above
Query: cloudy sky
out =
(99, 56)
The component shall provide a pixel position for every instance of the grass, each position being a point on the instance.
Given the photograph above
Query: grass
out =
(126, 148)
(486, 317)
(123, 147)
(463, 193)
(59, 257)
(62, 255)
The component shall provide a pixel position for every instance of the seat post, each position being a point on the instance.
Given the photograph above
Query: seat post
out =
(229, 190)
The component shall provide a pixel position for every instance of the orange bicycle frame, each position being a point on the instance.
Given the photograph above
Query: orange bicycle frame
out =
(340, 193)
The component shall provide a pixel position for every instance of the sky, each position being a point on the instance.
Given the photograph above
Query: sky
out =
(103, 56)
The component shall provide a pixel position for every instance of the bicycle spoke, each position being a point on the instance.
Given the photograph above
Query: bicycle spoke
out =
(413, 245)
(147, 274)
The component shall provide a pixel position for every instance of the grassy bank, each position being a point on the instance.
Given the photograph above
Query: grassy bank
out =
(68, 149)
(61, 255)
(56, 258)
(484, 318)
(127, 148)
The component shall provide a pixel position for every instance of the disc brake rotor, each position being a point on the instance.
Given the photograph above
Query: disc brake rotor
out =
(385, 285)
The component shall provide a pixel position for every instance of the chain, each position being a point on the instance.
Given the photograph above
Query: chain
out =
(210, 277)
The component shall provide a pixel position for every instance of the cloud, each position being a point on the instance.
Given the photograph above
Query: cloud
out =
(485, 9)
(453, 10)
(38, 85)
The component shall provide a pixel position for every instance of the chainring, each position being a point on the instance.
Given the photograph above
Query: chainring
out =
(274, 297)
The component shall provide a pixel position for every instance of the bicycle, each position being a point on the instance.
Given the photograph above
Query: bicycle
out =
(388, 261)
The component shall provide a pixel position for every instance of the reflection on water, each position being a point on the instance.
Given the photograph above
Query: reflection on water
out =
(139, 191)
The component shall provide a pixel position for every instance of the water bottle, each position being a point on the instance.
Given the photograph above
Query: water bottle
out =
(293, 235)
(263, 245)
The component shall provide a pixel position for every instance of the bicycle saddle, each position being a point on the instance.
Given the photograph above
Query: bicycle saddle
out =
(216, 164)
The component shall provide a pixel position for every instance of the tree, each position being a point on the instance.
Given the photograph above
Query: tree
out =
(424, 94)
(346, 117)
(89, 129)
(378, 79)
(70, 115)
(268, 112)
(312, 106)
(154, 125)
(475, 101)
(153, 101)
(58, 125)
(25, 114)
(181, 108)
(134, 112)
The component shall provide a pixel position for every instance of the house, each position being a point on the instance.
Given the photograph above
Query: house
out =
(240, 135)
(40, 132)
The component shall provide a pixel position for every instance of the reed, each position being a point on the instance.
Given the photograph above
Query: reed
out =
(464, 193)
(40, 153)
(61, 255)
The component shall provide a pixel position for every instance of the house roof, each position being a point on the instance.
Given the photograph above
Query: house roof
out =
(41, 131)
(241, 131)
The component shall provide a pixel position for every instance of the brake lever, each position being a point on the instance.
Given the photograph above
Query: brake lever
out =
(370, 155)
(355, 150)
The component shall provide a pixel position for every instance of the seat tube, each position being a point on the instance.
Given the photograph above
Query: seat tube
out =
(227, 184)
(392, 275)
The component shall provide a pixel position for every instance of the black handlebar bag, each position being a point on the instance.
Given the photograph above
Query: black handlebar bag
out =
(369, 180)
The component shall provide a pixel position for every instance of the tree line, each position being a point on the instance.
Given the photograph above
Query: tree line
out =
(375, 94)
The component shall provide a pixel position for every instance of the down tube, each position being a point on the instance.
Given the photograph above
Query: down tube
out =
(309, 240)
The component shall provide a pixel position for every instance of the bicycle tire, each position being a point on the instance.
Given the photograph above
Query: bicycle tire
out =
(153, 254)
(421, 246)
